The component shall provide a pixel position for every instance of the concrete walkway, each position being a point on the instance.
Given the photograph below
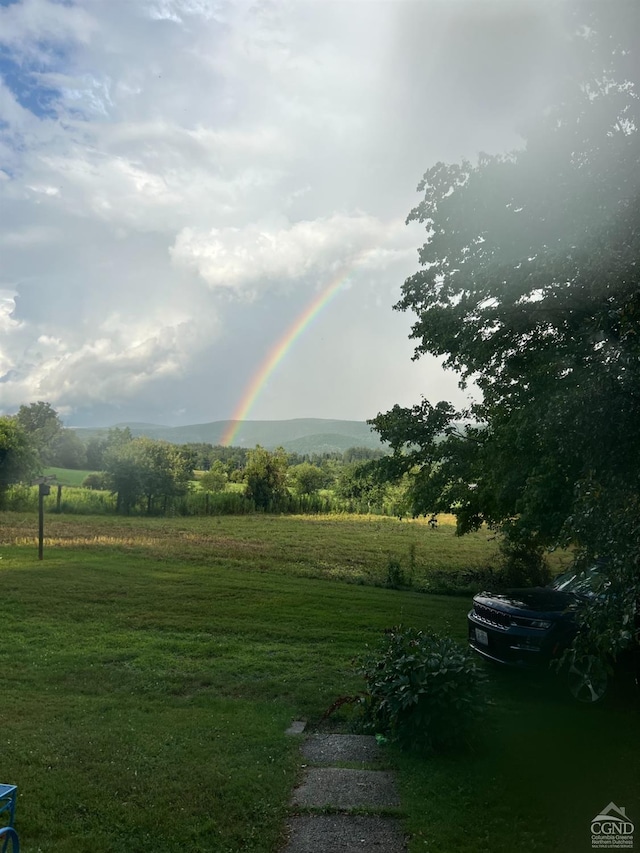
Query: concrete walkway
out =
(346, 799)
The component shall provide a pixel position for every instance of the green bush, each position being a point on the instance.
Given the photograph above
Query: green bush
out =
(423, 690)
(465, 582)
(80, 501)
(210, 503)
(522, 564)
(397, 577)
(96, 480)
(21, 498)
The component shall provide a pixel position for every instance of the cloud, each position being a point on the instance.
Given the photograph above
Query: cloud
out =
(260, 256)
(31, 27)
(119, 359)
(179, 178)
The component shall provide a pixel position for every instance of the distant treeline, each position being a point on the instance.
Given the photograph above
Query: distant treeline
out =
(136, 474)
(204, 455)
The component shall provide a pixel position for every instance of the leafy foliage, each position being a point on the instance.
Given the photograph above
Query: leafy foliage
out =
(424, 690)
(144, 467)
(96, 481)
(359, 486)
(68, 451)
(18, 457)
(529, 287)
(521, 564)
(41, 422)
(215, 479)
(306, 479)
(266, 477)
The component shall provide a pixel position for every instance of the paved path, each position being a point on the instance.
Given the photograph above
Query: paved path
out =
(346, 800)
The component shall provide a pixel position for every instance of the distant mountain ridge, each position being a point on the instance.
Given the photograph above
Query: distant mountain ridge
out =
(299, 435)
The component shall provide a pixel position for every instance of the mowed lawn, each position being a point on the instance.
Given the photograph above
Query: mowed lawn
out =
(151, 667)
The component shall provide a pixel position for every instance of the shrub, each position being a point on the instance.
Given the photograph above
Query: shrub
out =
(21, 498)
(81, 501)
(463, 581)
(397, 578)
(523, 565)
(212, 503)
(423, 690)
(95, 480)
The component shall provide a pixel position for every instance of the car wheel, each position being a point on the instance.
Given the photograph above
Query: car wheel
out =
(587, 679)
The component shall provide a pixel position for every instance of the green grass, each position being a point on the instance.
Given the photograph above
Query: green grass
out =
(351, 548)
(543, 767)
(67, 476)
(338, 547)
(151, 666)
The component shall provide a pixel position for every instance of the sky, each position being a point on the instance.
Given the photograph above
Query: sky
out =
(203, 202)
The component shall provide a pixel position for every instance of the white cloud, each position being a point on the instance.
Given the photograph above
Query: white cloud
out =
(120, 359)
(29, 25)
(178, 10)
(262, 255)
(35, 237)
(259, 147)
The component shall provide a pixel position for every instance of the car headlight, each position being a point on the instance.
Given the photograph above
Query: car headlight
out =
(540, 623)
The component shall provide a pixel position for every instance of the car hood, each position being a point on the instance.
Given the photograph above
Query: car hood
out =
(537, 599)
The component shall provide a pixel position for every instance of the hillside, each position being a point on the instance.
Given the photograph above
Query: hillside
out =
(301, 435)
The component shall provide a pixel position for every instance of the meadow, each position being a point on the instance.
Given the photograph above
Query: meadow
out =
(67, 476)
(151, 667)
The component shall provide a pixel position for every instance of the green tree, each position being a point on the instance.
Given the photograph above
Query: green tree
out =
(146, 468)
(18, 458)
(98, 447)
(358, 484)
(67, 450)
(40, 420)
(266, 477)
(215, 479)
(117, 436)
(94, 450)
(529, 287)
(95, 480)
(306, 479)
(124, 475)
(360, 454)
(202, 454)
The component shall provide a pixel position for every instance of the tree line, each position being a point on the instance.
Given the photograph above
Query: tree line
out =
(148, 474)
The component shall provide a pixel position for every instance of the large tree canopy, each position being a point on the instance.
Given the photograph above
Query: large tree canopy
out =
(142, 467)
(18, 457)
(530, 288)
(266, 476)
(44, 427)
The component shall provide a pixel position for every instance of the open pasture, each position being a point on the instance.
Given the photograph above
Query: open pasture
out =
(67, 476)
(356, 549)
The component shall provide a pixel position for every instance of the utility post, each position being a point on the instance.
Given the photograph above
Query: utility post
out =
(44, 488)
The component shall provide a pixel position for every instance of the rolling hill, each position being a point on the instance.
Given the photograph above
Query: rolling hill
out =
(300, 435)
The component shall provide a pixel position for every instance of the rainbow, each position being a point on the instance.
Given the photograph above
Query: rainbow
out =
(278, 352)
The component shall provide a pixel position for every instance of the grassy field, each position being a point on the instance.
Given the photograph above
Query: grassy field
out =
(67, 476)
(351, 548)
(150, 668)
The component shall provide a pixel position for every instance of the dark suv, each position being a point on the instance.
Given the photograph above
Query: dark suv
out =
(525, 627)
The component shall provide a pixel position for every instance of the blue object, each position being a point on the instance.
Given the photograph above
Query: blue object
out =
(8, 794)
(9, 834)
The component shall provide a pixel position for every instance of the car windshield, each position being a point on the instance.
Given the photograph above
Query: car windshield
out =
(586, 582)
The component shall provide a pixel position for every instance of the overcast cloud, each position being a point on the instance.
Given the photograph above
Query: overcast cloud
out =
(179, 179)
